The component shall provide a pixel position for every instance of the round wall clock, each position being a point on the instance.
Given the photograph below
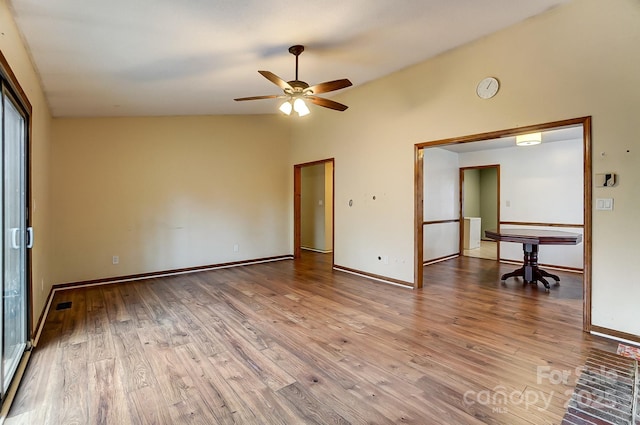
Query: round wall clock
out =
(487, 88)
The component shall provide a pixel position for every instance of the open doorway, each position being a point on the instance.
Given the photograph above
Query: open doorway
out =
(522, 206)
(313, 209)
(480, 210)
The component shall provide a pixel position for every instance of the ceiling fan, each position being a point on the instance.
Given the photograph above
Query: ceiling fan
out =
(296, 91)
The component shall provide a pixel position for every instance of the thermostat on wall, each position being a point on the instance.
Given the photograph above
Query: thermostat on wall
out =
(605, 180)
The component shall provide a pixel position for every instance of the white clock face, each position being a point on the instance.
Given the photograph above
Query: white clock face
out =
(487, 88)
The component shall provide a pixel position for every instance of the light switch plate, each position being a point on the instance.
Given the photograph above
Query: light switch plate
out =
(604, 204)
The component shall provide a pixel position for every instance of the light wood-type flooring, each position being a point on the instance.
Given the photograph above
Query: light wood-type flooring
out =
(293, 342)
(487, 250)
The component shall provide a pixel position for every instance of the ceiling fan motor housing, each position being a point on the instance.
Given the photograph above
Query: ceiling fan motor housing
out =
(298, 86)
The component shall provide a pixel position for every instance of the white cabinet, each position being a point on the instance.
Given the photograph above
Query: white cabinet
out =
(471, 236)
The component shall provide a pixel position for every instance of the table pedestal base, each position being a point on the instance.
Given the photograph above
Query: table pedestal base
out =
(530, 272)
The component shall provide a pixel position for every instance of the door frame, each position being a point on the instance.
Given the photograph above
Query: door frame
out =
(21, 96)
(297, 206)
(587, 197)
(15, 90)
(461, 200)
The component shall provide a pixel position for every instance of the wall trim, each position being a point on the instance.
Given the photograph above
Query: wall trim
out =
(130, 278)
(173, 272)
(321, 251)
(617, 335)
(526, 223)
(376, 277)
(452, 220)
(440, 259)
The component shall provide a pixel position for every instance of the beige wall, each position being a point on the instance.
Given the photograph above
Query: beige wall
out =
(168, 193)
(19, 60)
(312, 213)
(328, 206)
(576, 60)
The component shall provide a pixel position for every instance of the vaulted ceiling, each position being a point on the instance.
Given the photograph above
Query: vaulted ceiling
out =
(193, 57)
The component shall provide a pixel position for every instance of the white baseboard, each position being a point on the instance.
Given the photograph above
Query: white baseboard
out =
(306, 248)
(615, 338)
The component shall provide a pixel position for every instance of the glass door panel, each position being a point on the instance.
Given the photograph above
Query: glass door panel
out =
(14, 221)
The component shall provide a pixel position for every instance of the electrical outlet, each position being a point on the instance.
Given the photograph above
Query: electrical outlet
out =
(115, 259)
(236, 248)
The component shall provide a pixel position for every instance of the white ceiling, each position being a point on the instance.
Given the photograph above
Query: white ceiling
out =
(559, 134)
(193, 57)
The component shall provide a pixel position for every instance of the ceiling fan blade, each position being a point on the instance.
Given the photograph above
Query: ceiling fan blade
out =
(330, 86)
(321, 101)
(276, 80)
(270, 96)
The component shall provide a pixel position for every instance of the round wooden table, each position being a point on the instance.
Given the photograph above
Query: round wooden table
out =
(530, 239)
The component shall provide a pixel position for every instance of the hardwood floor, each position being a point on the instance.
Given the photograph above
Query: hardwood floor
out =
(293, 342)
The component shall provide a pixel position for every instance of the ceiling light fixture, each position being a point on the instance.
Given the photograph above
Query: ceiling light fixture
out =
(300, 107)
(528, 139)
(286, 108)
(295, 104)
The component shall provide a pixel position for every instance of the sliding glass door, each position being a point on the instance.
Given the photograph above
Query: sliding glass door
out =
(17, 237)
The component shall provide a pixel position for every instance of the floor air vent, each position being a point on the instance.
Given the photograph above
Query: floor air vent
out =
(64, 305)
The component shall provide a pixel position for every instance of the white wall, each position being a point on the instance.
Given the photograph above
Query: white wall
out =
(541, 183)
(580, 59)
(441, 202)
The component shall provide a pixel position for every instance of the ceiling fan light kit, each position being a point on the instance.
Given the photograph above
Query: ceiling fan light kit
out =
(297, 92)
(300, 107)
(286, 108)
